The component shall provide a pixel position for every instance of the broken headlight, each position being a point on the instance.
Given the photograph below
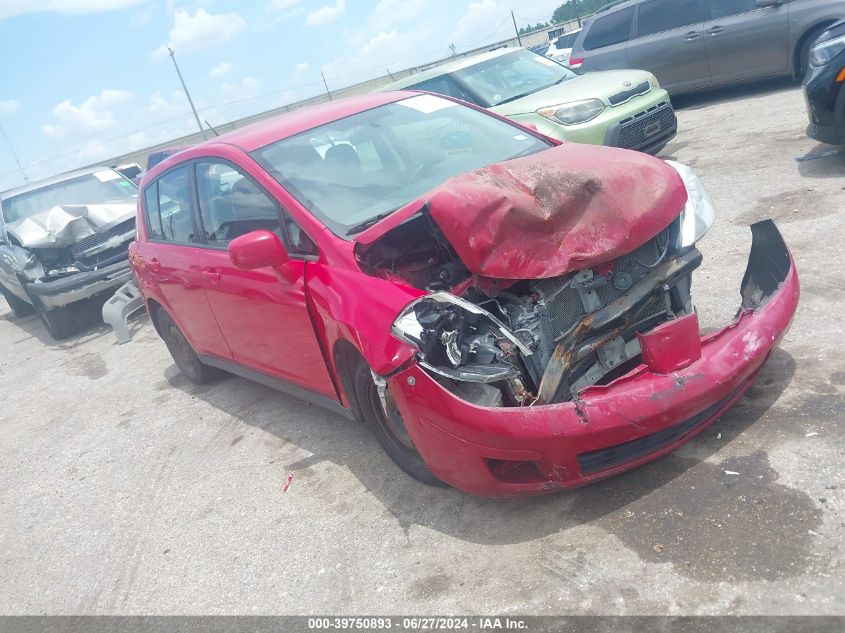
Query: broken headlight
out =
(699, 213)
(459, 340)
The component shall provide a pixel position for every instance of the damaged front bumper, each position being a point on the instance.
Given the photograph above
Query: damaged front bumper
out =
(78, 286)
(685, 382)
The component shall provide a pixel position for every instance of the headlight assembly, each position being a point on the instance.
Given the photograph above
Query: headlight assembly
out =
(458, 339)
(699, 214)
(822, 52)
(573, 113)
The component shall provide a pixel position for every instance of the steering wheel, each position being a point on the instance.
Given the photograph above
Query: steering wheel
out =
(424, 168)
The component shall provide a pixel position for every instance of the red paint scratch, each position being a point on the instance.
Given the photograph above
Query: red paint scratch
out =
(287, 483)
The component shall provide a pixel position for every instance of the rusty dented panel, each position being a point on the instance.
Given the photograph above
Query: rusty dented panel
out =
(565, 209)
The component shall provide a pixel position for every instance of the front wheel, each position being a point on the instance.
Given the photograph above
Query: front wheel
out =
(388, 426)
(60, 322)
(20, 308)
(183, 354)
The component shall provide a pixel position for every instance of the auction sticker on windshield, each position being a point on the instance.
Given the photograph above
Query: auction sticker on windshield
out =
(427, 103)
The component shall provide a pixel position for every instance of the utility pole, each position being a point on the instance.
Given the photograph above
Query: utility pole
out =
(187, 94)
(326, 84)
(15, 156)
(518, 38)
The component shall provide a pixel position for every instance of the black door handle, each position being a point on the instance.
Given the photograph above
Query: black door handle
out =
(692, 35)
(715, 30)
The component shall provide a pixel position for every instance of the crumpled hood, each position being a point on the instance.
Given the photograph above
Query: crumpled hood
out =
(64, 225)
(565, 209)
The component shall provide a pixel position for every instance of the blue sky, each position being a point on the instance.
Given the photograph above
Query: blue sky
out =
(84, 80)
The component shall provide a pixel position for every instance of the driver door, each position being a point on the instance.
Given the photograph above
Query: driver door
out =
(262, 313)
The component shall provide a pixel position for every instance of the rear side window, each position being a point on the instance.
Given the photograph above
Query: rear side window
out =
(611, 29)
(169, 208)
(657, 16)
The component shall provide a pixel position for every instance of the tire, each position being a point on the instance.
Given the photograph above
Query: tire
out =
(389, 430)
(184, 356)
(20, 308)
(60, 322)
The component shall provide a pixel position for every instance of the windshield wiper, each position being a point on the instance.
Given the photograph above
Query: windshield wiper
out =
(514, 98)
(368, 223)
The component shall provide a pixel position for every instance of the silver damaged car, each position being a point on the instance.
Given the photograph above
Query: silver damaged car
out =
(65, 240)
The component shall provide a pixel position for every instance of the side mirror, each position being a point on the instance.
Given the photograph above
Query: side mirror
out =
(531, 126)
(766, 4)
(258, 249)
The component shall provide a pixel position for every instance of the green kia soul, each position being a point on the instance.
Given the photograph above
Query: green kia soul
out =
(621, 108)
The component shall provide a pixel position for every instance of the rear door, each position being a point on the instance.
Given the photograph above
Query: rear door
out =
(669, 42)
(745, 41)
(169, 261)
(262, 313)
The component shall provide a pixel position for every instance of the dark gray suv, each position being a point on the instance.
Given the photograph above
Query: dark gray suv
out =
(695, 44)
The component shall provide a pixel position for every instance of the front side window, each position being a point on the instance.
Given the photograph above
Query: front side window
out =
(725, 8)
(611, 29)
(171, 220)
(512, 76)
(102, 187)
(444, 85)
(231, 204)
(351, 172)
(657, 16)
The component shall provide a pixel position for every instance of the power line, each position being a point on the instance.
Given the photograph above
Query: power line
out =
(14, 155)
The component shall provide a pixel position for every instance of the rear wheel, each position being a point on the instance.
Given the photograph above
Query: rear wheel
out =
(19, 307)
(60, 322)
(183, 354)
(388, 426)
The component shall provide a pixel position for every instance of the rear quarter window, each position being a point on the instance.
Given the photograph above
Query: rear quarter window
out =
(610, 29)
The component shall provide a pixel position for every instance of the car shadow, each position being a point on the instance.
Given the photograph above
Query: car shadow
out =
(331, 438)
(714, 96)
(823, 161)
(87, 314)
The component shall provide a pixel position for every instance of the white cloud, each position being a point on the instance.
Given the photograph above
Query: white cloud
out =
(241, 90)
(141, 18)
(281, 5)
(9, 106)
(301, 68)
(9, 8)
(326, 14)
(490, 20)
(95, 114)
(194, 32)
(223, 68)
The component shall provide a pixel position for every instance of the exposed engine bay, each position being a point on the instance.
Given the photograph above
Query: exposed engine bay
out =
(521, 343)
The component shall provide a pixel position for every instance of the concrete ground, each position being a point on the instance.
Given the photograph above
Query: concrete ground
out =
(126, 490)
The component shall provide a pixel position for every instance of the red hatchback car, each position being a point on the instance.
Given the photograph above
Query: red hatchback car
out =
(510, 315)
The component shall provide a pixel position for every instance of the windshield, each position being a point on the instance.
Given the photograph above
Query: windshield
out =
(102, 187)
(355, 170)
(512, 76)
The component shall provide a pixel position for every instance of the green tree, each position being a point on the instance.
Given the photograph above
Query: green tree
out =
(574, 9)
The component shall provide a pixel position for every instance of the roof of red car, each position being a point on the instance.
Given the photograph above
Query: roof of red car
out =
(263, 133)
